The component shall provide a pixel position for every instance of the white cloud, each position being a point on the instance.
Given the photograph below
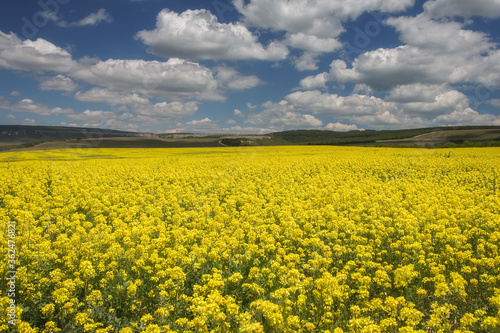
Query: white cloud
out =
(435, 53)
(59, 82)
(135, 118)
(312, 43)
(110, 97)
(431, 99)
(201, 121)
(443, 37)
(92, 19)
(134, 108)
(314, 82)
(444, 102)
(174, 78)
(28, 105)
(93, 117)
(495, 102)
(312, 26)
(406, 106)
(238, 113)
(339, 127)
(388, 120)
(418, 92)
(337, 106)
(308, 61)
(28, 121)
(196, 34)
(165, 110)
(15, 93)
(106, 119)
(320, 18)
(280, 116)
(207, 125)
(362, 89)
(39, 55)
(465, 8)
(232, 79)
(467, 117)
(252, 106)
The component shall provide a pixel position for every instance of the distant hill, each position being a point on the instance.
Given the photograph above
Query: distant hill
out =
(17, 132)
(55, 137)
(26, 136)
(431, 136)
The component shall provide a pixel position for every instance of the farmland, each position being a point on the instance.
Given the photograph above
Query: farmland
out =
(17, 138)
(252, 239)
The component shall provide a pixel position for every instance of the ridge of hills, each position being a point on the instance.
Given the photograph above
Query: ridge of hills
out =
(22, 137)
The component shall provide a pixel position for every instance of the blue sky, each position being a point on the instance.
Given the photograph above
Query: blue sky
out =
(250, 66)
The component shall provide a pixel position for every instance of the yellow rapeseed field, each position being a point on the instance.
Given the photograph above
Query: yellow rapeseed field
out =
(267, 239)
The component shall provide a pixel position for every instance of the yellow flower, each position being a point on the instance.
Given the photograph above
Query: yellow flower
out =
(50, 327)
(87, 270)
(146, 319)
(48, 310)
(277, 238)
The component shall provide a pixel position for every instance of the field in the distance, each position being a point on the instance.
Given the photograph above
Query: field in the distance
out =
(253, 239)
(44, 138)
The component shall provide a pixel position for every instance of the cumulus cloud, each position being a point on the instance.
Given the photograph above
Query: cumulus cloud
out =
(337, 106)
(339, 127)
(495, 102)
(312, 26)
(174, 78)
(58, 82)
(197, 34)
(39, 55)
(106, 119)
(308, 61)
(315, 82)
(436, 52)
(232, 79)
(428, 99)
(167, 110)
(93, 117)
(416, 93)
(207, 125)
(465, 8)
(410, 106)
(467, 117)
(28, 105)
(312, 43)
(279, 116)
(135, 117)
(388, 120)
(110, 97)
(440, 36)
(28, 121)
(320, 18)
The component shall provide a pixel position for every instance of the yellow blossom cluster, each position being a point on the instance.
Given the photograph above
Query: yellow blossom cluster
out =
(253, 239)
